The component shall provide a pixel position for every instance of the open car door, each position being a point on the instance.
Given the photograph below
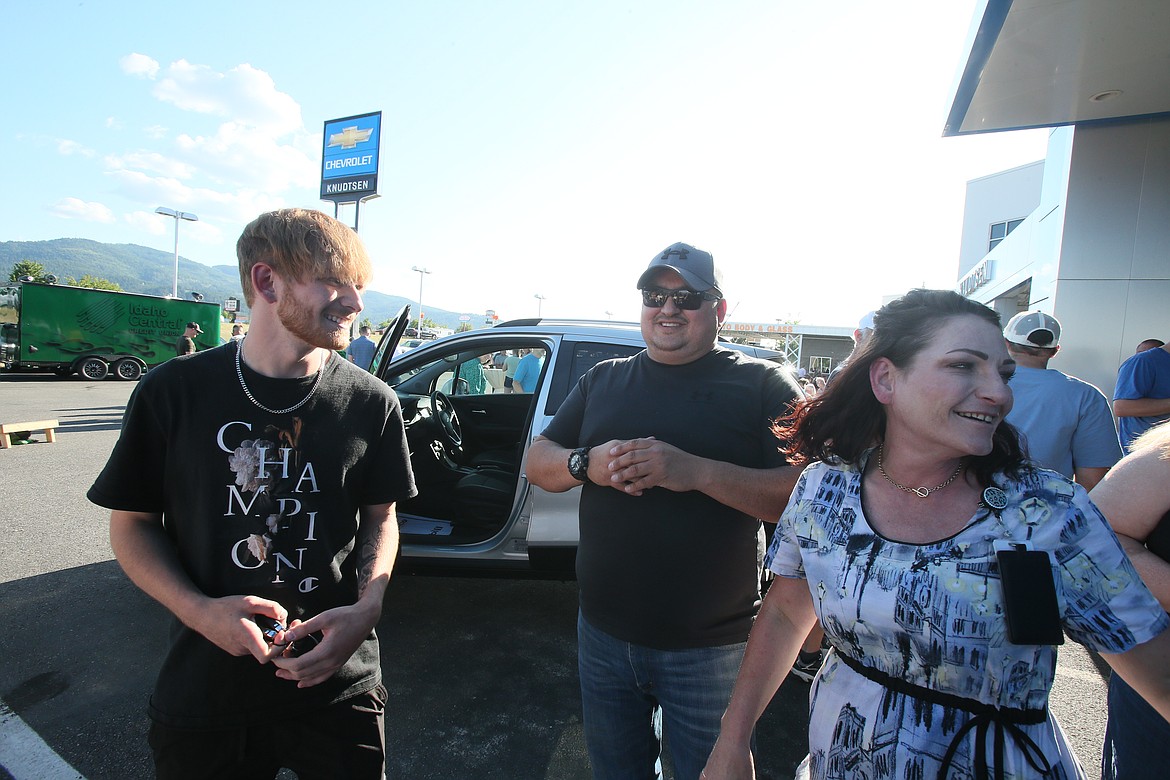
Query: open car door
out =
(389, 342)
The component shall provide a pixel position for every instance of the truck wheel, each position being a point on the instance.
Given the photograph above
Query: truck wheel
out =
(93, 368)
(128, 369)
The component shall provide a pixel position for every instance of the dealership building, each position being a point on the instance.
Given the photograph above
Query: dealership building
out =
(1085, 233)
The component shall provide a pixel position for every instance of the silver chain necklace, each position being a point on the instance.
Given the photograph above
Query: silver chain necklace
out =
(252, 398)
(921, 492)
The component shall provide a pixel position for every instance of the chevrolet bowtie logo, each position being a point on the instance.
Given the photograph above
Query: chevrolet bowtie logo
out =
(350, 137)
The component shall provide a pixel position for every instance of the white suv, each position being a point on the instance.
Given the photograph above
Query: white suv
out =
(469, 436)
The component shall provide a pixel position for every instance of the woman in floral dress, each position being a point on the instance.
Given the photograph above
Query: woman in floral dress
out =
(893, 538)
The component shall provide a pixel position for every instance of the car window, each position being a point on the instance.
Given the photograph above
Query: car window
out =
(572, 363)
(464, 371)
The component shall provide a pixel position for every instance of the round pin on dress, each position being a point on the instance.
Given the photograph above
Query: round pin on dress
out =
(995, 498)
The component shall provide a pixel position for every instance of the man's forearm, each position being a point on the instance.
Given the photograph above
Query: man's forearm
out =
(761, 493)
(548, 466)
(1141, 407)
(1088, 477)
(377, 541)
(148, 557)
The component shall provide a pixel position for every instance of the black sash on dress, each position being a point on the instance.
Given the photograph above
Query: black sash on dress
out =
(1005, 719)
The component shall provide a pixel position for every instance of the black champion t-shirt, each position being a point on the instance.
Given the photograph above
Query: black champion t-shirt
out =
(257, 504)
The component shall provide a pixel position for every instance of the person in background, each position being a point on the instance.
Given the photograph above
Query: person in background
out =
(1149, 344)
(469, 378)
(924, 540)
(1141, 399)
(1066, 424)
(186, 343)
(511, 363)
(237, 332)
(252, 494)
(361, 350)
(527, 371)
(1134, 499)
(861, 334)
(676, 458)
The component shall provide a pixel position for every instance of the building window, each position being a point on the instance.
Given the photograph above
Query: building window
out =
(820, 365)
(1000, 231)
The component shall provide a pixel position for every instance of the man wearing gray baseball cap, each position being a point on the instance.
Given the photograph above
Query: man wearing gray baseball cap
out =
(674, 452)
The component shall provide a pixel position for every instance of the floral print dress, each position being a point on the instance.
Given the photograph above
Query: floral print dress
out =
(932, 615)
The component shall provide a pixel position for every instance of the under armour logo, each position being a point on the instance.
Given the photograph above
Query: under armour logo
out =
(681, 253)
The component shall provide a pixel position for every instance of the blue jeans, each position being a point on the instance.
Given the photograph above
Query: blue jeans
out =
(1137, 738)
(629, 692)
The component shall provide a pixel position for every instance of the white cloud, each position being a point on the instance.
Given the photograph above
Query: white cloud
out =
(113, 123)
(152, 162)
(245, 94)
(74, 208)
(248, 156)
(148, 222)
(260, 144)
(201, 232)
(68, 147)
(236, 206)
(139, 65)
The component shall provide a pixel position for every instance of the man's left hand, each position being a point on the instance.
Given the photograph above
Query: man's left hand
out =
(638, 464)
(342, 629)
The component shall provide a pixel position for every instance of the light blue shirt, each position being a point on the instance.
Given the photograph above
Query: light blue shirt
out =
(1145, 375)
(361, 350)
(527, 372)
(1065, 423)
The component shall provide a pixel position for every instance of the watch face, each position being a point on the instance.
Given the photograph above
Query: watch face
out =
(578, 464)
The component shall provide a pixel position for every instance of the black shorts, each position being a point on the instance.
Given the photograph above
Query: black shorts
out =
(347, 739)
(508, 382)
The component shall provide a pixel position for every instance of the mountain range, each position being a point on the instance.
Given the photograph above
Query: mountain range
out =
(149, 271)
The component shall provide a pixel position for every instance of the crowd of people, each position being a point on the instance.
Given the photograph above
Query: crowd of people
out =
(934, 533)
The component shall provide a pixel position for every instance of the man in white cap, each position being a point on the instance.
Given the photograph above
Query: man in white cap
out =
(1065, 422)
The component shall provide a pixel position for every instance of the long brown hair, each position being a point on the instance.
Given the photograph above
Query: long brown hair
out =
(844, 421)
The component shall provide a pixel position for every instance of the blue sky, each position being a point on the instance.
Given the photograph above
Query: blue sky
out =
(528, 147)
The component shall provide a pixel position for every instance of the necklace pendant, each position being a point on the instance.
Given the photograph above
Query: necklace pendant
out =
(921, 492)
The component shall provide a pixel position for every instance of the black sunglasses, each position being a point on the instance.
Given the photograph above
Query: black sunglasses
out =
(688, 300)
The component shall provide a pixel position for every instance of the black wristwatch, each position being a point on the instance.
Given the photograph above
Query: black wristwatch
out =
(579, 464)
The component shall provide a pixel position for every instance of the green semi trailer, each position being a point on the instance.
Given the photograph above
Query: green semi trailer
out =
(95, 333)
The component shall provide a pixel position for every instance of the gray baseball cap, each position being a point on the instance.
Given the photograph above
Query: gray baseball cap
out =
(1033, 329)
(696, 267)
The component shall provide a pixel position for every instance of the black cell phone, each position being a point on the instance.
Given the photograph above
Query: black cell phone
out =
(1029, 597)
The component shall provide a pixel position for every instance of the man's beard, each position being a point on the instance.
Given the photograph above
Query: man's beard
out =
(305, 324)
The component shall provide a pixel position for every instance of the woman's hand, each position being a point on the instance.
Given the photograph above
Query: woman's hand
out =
(729, 762)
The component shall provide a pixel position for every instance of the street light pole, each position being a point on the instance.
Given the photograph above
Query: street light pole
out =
(177, 215)
(421, 273)
(539, 301)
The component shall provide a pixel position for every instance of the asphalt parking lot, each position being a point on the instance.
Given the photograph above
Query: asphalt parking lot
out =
(481, 672)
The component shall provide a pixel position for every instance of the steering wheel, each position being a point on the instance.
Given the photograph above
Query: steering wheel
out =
(449, 429)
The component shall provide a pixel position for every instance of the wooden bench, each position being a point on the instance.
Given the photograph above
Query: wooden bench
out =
(39, 425)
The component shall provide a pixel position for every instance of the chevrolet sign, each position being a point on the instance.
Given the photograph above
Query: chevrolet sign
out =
(349, 158)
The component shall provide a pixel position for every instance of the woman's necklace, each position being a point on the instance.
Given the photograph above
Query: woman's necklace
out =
(921, 492)
(252, 398)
